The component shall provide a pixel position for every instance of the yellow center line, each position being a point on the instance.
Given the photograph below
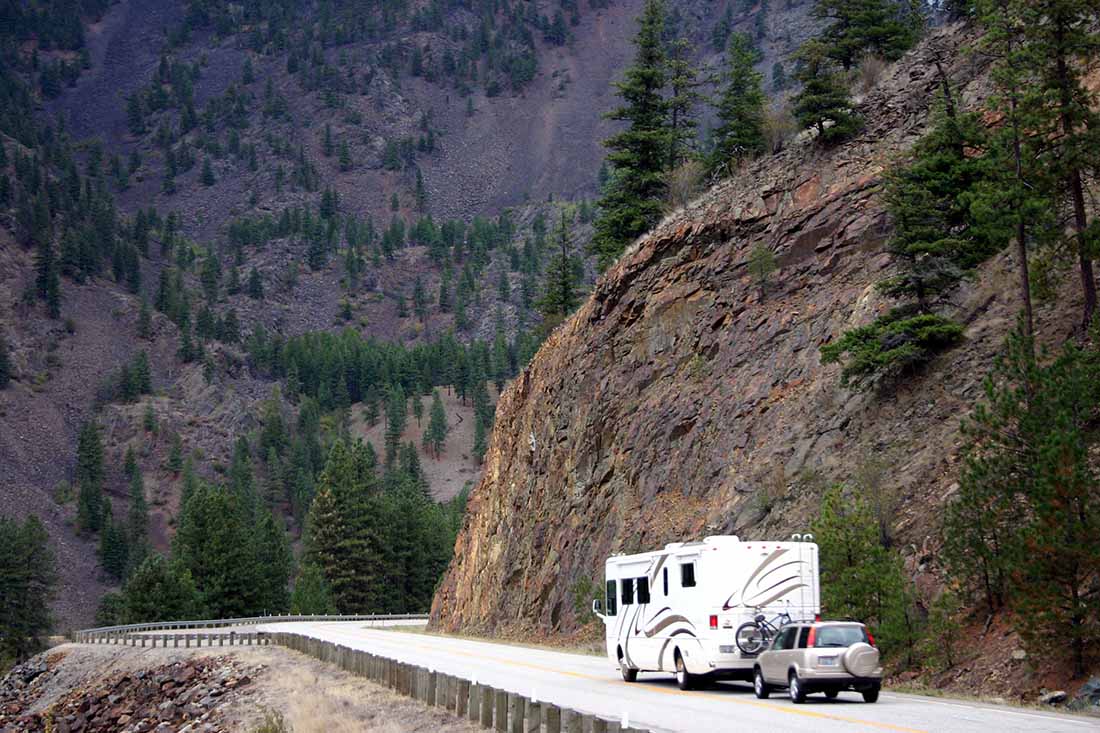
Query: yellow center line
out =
(668, 691)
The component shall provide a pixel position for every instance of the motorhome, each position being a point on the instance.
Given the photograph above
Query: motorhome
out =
(678, 609)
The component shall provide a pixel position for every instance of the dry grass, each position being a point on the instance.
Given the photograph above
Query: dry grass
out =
(870, 71)
(684, 184)
(779, 127)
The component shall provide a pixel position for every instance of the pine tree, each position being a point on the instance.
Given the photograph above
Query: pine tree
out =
(161, 590)
(113, 547)
(175, 455)
(255, 285)
(311, 594)
(560, 290)
(274, 560)
(145, 321)
(137, 523)
(90, 476)
(420, 300)
(632, 199)
(740, 133)
(207, 173)
(396, 413)
(28, 576)
(5, 363)
(328, 147)
(436, 434)
(823, 102)
(683, 101)
(859, 27)
(345, 156)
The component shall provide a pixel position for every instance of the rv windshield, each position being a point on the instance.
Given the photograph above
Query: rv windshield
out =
(840, 636)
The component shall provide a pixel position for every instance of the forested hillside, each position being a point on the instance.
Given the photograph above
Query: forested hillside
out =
(237, 238)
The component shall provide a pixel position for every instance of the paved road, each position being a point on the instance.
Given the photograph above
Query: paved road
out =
(592, 685)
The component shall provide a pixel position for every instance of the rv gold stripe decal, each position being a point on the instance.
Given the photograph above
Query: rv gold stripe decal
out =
(665, 623)
(654, 616)
(660, 564)
(781, 593)
(772, 557)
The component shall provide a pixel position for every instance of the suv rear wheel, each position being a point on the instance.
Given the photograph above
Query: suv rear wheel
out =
(795, 689)
(871, 695)
(759, 686)
(832, 694)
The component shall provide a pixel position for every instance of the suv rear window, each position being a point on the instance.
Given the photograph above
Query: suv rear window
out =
(839, 636)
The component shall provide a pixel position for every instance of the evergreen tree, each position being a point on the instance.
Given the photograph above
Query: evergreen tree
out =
(328, 146)
(145, 321)
(420, 300)
(274, 560)
(113, 547)
(255, 285)
(28, 575)
(207, 173)
(311, 594)
(396, 414)
(823, 103)
(740, 133)
(683, 101)
(137, 523)
(161, 590)
(436, 434)
(90, 476)
(5, 363)
(632, 199)
(859, 27)
(560, 291)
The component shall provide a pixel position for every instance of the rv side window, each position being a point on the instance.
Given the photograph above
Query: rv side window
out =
(612, 602)
(687, 575)
(643, 590)
(664, 573)
(628, 591)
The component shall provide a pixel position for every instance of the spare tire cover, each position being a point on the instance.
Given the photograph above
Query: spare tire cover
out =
(861, 660)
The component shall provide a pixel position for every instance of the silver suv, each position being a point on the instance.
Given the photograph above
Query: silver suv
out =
(825, 656)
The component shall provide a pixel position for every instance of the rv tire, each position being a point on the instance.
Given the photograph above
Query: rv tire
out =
(684, 680)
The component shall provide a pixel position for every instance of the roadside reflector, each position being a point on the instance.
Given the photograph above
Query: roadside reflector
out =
(714, 622)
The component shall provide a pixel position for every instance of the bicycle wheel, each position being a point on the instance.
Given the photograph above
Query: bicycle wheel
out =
(750, 638)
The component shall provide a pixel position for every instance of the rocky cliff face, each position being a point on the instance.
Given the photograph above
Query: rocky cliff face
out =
(681, 400)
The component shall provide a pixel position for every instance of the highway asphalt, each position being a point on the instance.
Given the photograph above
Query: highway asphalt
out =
(591, 684)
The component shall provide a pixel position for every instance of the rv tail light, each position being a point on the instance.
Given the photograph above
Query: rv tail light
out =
(871, 638)
(817, 617)
(714, 622)
(812, 637)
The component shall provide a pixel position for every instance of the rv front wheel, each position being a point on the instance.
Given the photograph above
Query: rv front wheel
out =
(629, 673)
(684, 680)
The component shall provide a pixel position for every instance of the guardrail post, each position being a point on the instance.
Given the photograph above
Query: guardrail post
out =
(433, 682)
(486, 706)
(462, 698)
(574, 722)
(533, 717)
(552, 715)
(515, 712)
(501, 716)
(598, 725)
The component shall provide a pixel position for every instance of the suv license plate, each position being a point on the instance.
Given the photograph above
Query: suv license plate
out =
(826, 661)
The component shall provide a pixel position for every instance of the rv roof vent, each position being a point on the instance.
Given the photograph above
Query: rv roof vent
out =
(718, 539)
(674, 545)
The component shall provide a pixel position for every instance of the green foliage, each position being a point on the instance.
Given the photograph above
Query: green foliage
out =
(893, 344)
(311, 592)
(740, 132)
(160, 590)
(28, 574)
(860, 578)
(435, 437)
(1022, 529)
(632, 198)
(762, 264)
(823, 102)
(560, 297)
(860, 27)
(90, 476)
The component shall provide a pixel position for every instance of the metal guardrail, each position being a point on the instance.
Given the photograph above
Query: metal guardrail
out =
(102, 632)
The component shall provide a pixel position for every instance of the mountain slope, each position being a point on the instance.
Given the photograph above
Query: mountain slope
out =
(681, 401)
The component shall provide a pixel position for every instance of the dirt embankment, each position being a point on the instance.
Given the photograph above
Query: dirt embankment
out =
(76, 688)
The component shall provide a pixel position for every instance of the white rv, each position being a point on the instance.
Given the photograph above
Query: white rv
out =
(678, 609)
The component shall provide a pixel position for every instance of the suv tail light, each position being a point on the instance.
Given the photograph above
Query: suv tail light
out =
(870, 638)
(714, 621)
(812, 637)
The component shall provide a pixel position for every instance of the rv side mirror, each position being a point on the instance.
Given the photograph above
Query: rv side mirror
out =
(597, 606)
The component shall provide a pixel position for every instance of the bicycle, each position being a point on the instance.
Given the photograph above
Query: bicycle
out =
(753, 636)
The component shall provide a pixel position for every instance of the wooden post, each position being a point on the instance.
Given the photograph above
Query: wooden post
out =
(599, 725)
(486, 706)
(552, 714)
(501, 716)
(462, 698)
(533, 718)
(614, 726)
(574, 723)
(515, 712)
(474, 703)
(433, 682)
